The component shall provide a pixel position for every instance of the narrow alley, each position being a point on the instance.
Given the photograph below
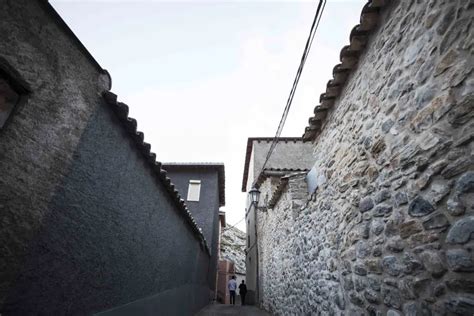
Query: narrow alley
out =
(178, 197)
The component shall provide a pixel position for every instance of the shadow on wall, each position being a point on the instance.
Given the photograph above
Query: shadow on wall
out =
(109, 237)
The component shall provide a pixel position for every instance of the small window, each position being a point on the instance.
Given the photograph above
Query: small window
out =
(9, 98)
(248, 241)
(194, 190)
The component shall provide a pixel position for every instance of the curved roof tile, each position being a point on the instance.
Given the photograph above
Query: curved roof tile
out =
(130, 125)
(349, 57)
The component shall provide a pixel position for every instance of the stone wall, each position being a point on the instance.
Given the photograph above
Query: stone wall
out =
(232, 247)
(390, 231)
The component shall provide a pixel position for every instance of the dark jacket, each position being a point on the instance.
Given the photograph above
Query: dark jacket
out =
(242, 288)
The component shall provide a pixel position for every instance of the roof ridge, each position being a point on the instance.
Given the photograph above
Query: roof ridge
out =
(130, 125)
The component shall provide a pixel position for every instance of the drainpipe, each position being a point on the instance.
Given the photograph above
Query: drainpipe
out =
(256, 253)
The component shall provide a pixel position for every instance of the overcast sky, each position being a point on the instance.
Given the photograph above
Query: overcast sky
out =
(201, 77)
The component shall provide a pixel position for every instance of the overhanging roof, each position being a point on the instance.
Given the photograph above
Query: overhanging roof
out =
(249, 152)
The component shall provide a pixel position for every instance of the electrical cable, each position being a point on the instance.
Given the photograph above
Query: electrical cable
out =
(228, 226)
(309, 42)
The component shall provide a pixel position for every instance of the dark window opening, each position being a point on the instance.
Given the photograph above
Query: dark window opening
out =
(9, 98)
(248, 241)
(13, 92)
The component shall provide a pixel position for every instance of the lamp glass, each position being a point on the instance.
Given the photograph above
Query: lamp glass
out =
(254, 195)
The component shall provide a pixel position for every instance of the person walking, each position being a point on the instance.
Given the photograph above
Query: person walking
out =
(232, 286)
(242, 292)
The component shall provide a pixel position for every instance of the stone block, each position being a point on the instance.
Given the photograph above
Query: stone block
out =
(410, 263)
(391, 265)
(420, 207)
(433, 263)
(459, 260)
(460, 284)
(410, 228)
(463, 187)
(437, 221)
(391, 297)
(395, 244)
(382, 210)
(462, 231)
(356, 299)
(372, 296)
(400, 198)
(366, 204)
(416, 309)
(460, 305)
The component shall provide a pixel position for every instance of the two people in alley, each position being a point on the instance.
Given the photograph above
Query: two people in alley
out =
(232, 286)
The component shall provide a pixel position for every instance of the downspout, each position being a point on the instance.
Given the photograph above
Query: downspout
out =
(256, 253)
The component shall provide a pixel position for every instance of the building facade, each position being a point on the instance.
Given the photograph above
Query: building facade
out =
(203, 185)
(383, 222)
(91, 223)
(290, 155)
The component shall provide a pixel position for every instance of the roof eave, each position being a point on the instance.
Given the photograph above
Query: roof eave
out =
(349, 57)
(248, 153)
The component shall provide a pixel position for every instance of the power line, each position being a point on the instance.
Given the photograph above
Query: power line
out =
(233, 226)
(309, 42)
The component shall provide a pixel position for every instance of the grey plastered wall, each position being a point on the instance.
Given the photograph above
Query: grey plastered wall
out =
(206, 211)
(112, 236)
(37, 144)
(85, 227)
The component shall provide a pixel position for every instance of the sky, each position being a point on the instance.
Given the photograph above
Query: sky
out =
(201, 77)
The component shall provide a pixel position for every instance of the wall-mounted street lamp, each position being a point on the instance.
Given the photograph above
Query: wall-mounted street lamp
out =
(255, 198)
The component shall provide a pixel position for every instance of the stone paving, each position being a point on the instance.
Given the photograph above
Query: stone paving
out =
(220, 309)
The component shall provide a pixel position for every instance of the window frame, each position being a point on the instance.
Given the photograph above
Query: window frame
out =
(191, 196)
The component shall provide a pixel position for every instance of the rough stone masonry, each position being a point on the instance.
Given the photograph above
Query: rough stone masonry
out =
(390, 229)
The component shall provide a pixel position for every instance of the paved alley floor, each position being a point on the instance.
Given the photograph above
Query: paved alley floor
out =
(220, 309)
